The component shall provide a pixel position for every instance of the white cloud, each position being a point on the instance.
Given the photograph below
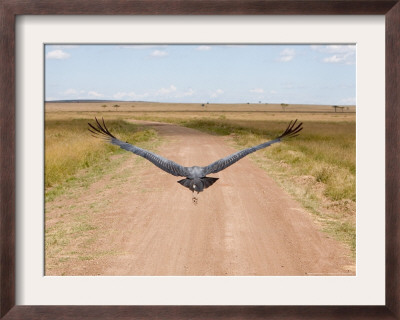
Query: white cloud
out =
(162, 93)
(347, 58)
(165, 91)
(334, 59)
(95, 94)
(57, 54)
(190, 92)
(174, 92)
(217, 93)
(343, 54)
(334, 48)
(81, 94)
(159, 53)
(186, 93)
(286, 55)
(129, 95)
(122, 95)
(70, 92)
(119, 95)
(203, 48)
(257, 90)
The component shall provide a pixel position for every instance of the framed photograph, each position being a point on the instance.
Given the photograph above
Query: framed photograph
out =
(198, 65)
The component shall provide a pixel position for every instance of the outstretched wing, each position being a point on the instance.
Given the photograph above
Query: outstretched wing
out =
(291, 131)
(100, 130)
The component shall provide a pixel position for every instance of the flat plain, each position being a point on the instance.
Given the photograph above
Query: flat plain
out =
(285, 210)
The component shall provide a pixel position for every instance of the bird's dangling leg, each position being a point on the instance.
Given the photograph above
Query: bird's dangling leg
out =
(194, 199)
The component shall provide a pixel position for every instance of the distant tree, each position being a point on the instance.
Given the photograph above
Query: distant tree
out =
(337, 107)
(116, 106)
(259, 101)
(207, 102)
(104, 106)
(284, 105)
(202, 104)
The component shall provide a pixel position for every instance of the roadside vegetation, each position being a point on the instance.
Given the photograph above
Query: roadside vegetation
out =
(70, 148)
(318, 167)
(74, 160)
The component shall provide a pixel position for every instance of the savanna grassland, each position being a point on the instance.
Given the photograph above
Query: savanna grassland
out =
(318, 168)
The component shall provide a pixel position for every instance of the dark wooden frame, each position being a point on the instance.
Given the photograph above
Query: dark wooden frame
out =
(9, 9)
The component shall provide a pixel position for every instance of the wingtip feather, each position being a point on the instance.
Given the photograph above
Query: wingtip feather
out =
(101, 131)
(292, 130)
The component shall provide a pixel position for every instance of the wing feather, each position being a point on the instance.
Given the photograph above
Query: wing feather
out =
(291, 131)
(100, 130)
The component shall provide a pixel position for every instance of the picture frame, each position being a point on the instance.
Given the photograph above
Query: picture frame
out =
(9, 11)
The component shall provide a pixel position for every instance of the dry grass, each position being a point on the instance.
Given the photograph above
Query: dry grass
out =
(69, 148)
(107, 107)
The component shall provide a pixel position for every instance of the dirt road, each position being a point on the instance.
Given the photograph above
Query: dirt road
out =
(244, 224)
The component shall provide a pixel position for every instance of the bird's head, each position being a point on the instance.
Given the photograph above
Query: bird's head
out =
(197, 185)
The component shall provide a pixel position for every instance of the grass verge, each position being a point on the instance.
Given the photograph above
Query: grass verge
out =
(317, 167)
(75, 161)
(70, 148)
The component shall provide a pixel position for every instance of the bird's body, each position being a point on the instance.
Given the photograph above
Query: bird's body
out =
(196, 178)
(195, 172)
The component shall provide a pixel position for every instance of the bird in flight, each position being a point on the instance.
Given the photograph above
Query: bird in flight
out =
(196, 178)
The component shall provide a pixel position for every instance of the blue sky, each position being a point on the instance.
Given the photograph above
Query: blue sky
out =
(303, 74)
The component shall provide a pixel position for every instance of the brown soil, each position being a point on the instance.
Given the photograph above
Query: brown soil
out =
(244, 224)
